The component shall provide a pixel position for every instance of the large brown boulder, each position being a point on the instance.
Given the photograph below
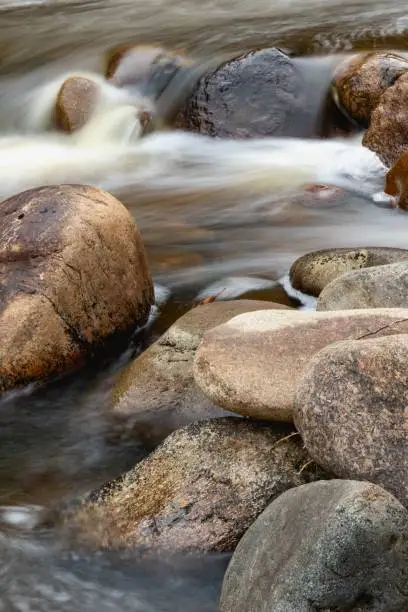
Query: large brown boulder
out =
(313, 271)
(252, 364)
(377, 287)
(200, 489)
(387, 135)
(156, 393)
(360, 81)
(351, 409)
(273, 88)
(73, 274)
(337, 546)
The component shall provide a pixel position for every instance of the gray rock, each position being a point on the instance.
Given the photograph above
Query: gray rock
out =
(200, 489)
(312, 272)
(377, 287)
(253, 363)
(156, 393)
(338, 546)
(351, 411)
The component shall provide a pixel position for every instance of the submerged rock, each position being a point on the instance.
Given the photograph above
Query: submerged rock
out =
(351, 411)
(201, 488)
(387, 135)
(274, 90)
(312, 272)
(360, 81)
(329, 546)
(156, 393)
(377, 287)
(73, 274)
(253, 364)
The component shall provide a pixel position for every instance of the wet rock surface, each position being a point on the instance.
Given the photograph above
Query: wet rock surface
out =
(73, 274)
(313, 271)
(200, 489)
(387, 135)
(361, 80)
(396, 182)
(156, 393)
(333, 546)
(253, 364)
(378, 287)
(275, 94)
(76, 101)
(351, 411)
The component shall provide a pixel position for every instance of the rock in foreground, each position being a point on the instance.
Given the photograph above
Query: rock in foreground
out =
(73, 274)
(377, 287)
(351, 411)
(253, 364)
(312, 272)
(201, 488)
(338, 546)
(156, 393)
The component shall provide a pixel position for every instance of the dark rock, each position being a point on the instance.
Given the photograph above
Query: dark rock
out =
(338, 546)
(351, 410)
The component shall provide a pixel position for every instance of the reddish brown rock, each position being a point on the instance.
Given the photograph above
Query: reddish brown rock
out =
(73, 274)
(396, 182)
(252, 364)
(76, 101)
(351, 410)
(201, 488)
(387, 135)
(360, 81)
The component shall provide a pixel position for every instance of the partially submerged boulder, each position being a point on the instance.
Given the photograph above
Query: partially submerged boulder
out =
(73, 273)
(76, 102)
(200, 489)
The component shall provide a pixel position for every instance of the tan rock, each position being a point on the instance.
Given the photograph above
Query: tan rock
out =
(156, 393)
(312, 272)
(377, 287)
(253, 363)
(73, 273)
(351, 409)
(387, 135)
(76, 101)
(201, 488)
(361, 80)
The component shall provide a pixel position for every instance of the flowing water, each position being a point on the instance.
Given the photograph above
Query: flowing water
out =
(207, 210)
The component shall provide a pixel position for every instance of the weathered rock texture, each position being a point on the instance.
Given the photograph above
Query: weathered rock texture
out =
(312, 272)
(76, 102)
(351, 411)
(201, 488)
(338, 546)
(252, 364)
(73, 274)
